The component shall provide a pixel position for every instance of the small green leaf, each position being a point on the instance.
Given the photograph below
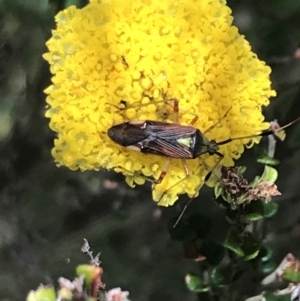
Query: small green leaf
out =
(255, 181)
(65, 294)
(91, 273)
(265, 253)
(241, 170)
(213, 252)
(268, 267)
(270, 174)
(222, 203)
(270, 209)
(291, 275)
(195, 284)
(251, 246)
(218, 190)
(201, 223)
(242, 199)
(233, 243)
(269, 296)
(220, 276)
(43, 293)
(255, 211)
(253, 217)
(268, 160)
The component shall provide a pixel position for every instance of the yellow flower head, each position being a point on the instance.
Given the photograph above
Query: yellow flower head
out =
(144, 51)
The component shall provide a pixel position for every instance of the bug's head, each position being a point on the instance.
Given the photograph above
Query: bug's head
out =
(212, 147)
(117, 133)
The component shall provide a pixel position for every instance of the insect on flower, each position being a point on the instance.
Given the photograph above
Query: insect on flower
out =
(174, 140)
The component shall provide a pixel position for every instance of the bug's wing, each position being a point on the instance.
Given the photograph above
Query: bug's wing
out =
(168, 131)
(168, 148)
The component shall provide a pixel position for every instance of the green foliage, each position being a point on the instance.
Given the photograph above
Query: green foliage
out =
(244, 204)
(43, 293)
(87, 287)
(233, 242)
(195, 284)
(255, 211)
(221, 276)
(292, 275)
(270, 209)
(268, 160)
(269, 296)
(270, 174)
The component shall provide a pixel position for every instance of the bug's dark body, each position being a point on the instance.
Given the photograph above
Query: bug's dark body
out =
(161, 138)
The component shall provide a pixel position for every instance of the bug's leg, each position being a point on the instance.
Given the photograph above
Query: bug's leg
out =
(136, 174)
(167, 166)
(187, 172)
(210, 172)
(121, 109)
(162, 174)
(186, 169)
(215, 124)
(207, 177)
(175, 110)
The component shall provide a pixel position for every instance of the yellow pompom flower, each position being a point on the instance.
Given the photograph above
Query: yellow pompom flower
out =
(141, 52)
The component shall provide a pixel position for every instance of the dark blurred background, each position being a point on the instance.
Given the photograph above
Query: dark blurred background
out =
(45, 211)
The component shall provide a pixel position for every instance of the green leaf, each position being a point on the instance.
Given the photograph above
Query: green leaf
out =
(268, 267)
(255, 211)
(222, 203)
(213, 252)
(233, 243)
(241, 170)
(270, 209)
(251, 246)
(220, 276)
(265, 253)
(270, 174)
(253, 217)
(255, 181)
(242, 199)
(269, 296)
(182, 232)
(91, 273)
(65, 294)
(291, 275)
(268, 160)
(218, 190)
(195, 284)
(43, 293)
(201, 223)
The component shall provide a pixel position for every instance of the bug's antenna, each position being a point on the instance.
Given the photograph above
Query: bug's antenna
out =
(191, 199)
(265, 133)
(182, 212)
